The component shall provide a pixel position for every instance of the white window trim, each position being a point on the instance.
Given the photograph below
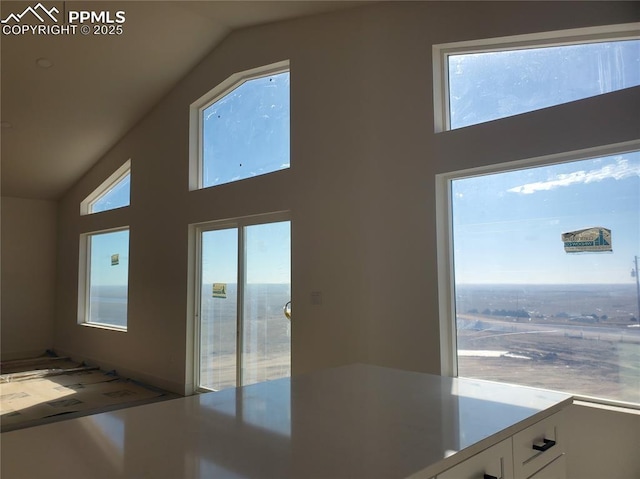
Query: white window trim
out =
(441, 52)
(195, 280)
(444, 228)
(84, 276)
(105, 187)
(196, 110)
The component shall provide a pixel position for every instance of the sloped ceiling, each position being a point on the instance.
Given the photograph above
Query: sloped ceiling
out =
(59, 120)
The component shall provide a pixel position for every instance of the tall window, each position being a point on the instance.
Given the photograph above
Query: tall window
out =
(105, 279)
(485, 80)
(104, 256)
(539, 259)
(545, 276)
(243, 127)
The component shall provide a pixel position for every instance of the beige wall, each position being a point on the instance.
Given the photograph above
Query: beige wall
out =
(28, 276)
(360, 188)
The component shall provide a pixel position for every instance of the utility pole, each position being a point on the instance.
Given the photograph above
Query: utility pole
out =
(637, 275)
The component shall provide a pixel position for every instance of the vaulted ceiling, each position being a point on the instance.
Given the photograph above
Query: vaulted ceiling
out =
(67, 99)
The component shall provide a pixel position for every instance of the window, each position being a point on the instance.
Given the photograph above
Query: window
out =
(104, 278)
(113, 193)
(480, 81)
(243, 127)
(244, 284)
(542, 261)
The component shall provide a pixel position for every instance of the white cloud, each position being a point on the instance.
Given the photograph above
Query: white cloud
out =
(618, 171)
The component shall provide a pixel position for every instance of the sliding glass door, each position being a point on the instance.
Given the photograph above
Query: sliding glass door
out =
(244, 285)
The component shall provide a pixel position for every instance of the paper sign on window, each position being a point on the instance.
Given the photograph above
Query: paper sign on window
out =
(115, 259)
(219, 290)
(596, 239)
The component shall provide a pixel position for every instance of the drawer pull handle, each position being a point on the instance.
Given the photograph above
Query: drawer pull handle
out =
(548, 444)
(489, 476)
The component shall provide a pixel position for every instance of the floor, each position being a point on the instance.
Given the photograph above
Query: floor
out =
(50, 388)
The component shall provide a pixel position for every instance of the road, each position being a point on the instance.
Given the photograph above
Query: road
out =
(510, 327)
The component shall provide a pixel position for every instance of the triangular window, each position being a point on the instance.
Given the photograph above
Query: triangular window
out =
(485, 80)
(113, 193)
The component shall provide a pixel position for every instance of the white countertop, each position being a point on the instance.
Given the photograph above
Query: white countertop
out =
(355, 421)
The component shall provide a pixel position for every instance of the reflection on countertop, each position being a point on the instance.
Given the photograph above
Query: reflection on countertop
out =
(351, 421)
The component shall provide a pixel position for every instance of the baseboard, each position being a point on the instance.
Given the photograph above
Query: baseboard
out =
(12, 356)
(126, 372)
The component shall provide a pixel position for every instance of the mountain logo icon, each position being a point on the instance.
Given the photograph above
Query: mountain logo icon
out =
(40, 12)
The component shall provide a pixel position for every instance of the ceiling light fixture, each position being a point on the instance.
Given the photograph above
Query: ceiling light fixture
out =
(44, 63)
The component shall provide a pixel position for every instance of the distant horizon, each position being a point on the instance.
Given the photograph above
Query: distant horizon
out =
(631, 283)
(209, 283)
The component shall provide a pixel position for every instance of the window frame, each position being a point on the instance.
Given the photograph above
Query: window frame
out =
(105, 187)
(84, 280)
(444, 234)
(196, 109)
(441, 53)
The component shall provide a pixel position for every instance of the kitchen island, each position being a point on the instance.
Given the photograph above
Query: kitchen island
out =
(356, 421)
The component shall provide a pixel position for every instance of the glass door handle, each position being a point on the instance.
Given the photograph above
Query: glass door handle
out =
(287, 310)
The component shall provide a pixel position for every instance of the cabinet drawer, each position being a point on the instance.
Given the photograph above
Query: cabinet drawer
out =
(557, 469)
(497, 461)
(538, 445)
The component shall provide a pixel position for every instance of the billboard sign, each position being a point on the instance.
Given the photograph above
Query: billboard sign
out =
(596, 239)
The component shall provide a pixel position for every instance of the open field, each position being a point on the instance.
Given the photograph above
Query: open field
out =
(587, 343)
(581, 339)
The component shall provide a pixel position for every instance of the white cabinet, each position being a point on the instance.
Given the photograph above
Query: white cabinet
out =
(536, 452)
(494, 462)
(538, 445)
(556, 469)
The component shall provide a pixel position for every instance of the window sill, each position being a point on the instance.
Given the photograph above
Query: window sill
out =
(104, 326)
(626, 408)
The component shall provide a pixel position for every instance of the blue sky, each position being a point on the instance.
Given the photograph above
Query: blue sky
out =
(267, 249)
(116, 197)
(246, 132)
(103, 246)
(508, 226)
(487, 86)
